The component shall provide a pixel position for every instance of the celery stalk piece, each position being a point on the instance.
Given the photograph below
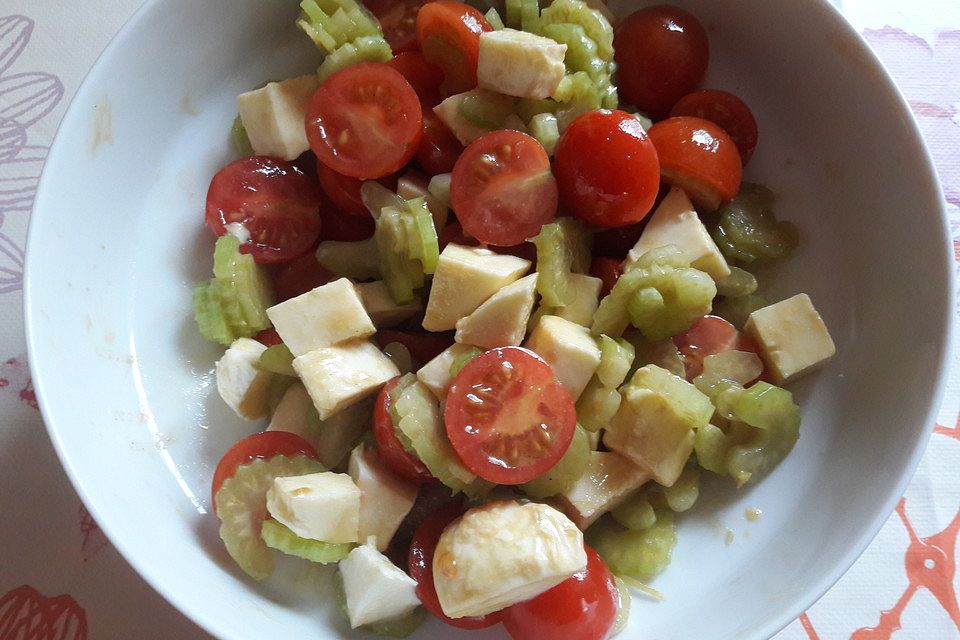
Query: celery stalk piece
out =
(637, 554)
(240, 139)
(596, 26)
(635, 512)
(208, 312)
(616, 358)
(354, 260)
(544, 127)
(749, 232)
(277, 359)
(563, 247)
(487, 109)
(685, 491)
(597, 405)
(581, 50)
(363, 49)
(494, 19)
(276, 536)
(737, 310)
(439, 188)
(738, 283)
(463, 360)
(568, 469)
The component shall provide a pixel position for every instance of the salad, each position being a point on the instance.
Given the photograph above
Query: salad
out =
(490, 276)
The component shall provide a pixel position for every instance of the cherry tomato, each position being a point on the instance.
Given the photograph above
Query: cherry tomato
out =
(661, 54)
(449, 36)
(344, 191)
(608, 270)
(726, 110)
(344, 227)
(439, 148)
(508, 417)
(302, 275)
(398, 19)
(583, 606)
(502, 188)
(268, 337)
(709, 336)
(423, 346)
(401, 462)
(274, 201)
(617, 242)
(265, 444)
(420, 568)
(699, 157)
(365, 121)
(607, 169)
(425, 78)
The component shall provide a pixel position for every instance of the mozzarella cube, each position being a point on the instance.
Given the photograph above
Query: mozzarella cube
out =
(241, 384)
(325, 316)
(435, 375)
(586, 299)
(375, 589)
(521, 64)
(503, 553)
(792, 336)
(464, 279)
(385, 498)
(569, 349)
(293, 414)
(606, 482)
(274, 115)
(381, 308)
(502, 320)
(319, 506)
(339, 376)
(676, 222)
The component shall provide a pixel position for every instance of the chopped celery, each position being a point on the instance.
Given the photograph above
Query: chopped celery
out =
(527, 108)
(336, 23)
(738, 283)
(354, 260)
(720, 369)
(637, 554)
(711, 447)
(749, 232)
(363, 49)
(487, 109)
(496, 22)
(241, 141)
(616, 357)
(567, 471)
(635, 512)
(523, 15)
(684, 492)
(737, 310)
(596, 26)
(663, 353)
(208, 312)
(277, 536)
(563, 247)
(544, 128)
(439, 188)
(581, 50)
(597, 405)
(578, 94)
(277, 359)
(407, 246)
(377, 197)
(463, 359)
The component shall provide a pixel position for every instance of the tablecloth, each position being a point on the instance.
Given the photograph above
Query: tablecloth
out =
(60, 578)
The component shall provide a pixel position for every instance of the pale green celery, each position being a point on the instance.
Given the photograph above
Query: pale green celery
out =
(636, 554)
(544, 128)
(663, 353)
(407, 246)
(738, 283)
(597, 405)
(567, 471)
(277, 536)
(333, 24)
(563, 247)
(530, 16)
(616, 358)
(737, 310)
(581, 50)
(494, 19)
(748, 230)
(241, 141)
(355, 260)
(527, 108)
(439, 188)
(209, 315)
(720, 369)
(363, 49)
(487, 109)
(277, 359)
(377, 197)
(596, 26)
(684, 493)
(635, 512)
(463, 359)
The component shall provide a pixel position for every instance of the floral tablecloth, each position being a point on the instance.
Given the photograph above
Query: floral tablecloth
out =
(60, 578)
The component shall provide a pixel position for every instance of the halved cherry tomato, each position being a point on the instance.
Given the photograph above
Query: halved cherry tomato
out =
(709, 336)
(302, 275)
(583, 606)
(502, 188)
(449, 36)
(423, 346)
(265, 444)
(439, 148)
(726, 110)
(700, 158)
(273, 200)
(661, 54)
(398, 19)
(508, 417)
(617, 242)
(453, 232)
(607, 169)
(344, 191)
(420, 568)
(344, 227)
(401, 462)
(608, 270)
(425, 78)
(365, 121)
(268, 337)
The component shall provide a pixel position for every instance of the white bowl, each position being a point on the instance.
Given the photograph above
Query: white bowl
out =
(117, 242)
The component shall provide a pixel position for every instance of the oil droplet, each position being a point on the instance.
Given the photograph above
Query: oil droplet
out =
(753, 514)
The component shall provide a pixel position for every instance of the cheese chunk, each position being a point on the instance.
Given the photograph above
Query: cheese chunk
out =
(325, 316)
(385, 498)
(435, 375)
(502, 320)
(273, 116)
(375, 589)
(503, 553)
(464, 279)
(607, 481)
(586, 299)
(521, 64)
(569, 349)
(293, 412)
(381, 308)
(319, 506)
(676, 222)
(339, 376)
(240, 383)
(792, 336)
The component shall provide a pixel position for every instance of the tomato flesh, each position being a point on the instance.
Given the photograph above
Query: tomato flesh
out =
(398, 20)
(265, 444)
(502, 188)
(607, 169)
(268, 337)
(709, 336)
(344, 227)
(583, 606)
(273, 200)
(726, 110)
(449, 37)
(608, 270)
(508, 417)
(365, 121)
(300, 276)
(439, 148)
(400, 461)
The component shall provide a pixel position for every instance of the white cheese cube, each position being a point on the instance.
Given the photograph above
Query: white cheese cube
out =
(375, 589)
(502, 320)
(381, 308)
(676, 222)
(606, 482)
(464, 279)
(292, 414)
(521, 64)
(319, 506)
(385, 499)
(339, 376)
(503, 553)
(240, 383)
(435, 375)
(586, 299)
(273, 116)
(792, 336)
(328, 315)
(449, 113)
(569, 349)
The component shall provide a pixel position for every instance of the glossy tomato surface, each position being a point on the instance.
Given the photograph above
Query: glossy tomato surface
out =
(276, 204)
(724, 109)
(709, 336)
(449, 37)
(401, 462)
(423, 346)
(398, 20)
(425, 78)
(299, 276)
(265, 444)
(439, 148)
(608, 270)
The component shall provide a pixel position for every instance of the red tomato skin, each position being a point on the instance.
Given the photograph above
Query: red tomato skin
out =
(449, 37)
(501, 377)
(661, 54)
(423, 346)
(425, 78)
(344, 227)
(607, 169)
(726, 110)
(481, 194)
(583, 606)
(699, 157)
(364, 121)
(617, 242)
(274, 201)
(709, 336)
(300, 276)
(400, 461)
(344, 191)
(398, 20)
(268, 337)
(608, 270)
(439, 148)
(265, 444)
(420, 568)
